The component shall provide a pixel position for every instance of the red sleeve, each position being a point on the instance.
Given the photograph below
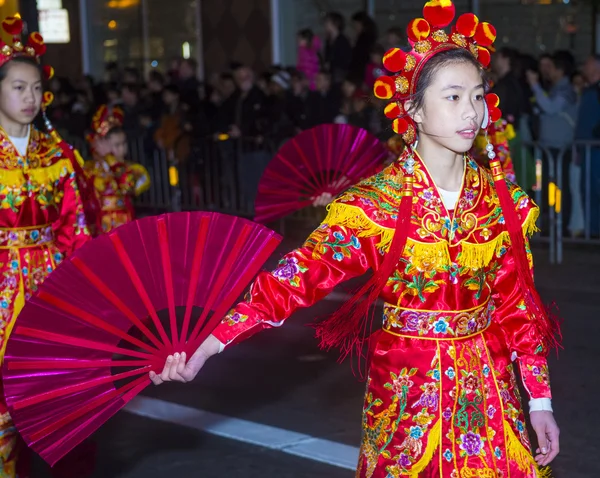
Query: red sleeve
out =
(511, 313)
(71, 229)
(331, 255)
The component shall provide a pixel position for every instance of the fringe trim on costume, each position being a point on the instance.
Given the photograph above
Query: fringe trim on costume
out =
(425, 253)
(41, 175)
(517, 453)
(473, 255)
(432, 444)
(355, 218)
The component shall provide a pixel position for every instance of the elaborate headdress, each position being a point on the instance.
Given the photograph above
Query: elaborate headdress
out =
(34, 47)
(428, 37)
(105, 119)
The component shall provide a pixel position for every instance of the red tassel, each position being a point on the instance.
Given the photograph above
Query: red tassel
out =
(348, 328)
(546, 320)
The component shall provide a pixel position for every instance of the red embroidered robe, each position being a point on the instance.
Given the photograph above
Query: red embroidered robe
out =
(442, 398)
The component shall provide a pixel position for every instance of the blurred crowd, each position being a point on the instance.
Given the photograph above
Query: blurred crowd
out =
(550, 99)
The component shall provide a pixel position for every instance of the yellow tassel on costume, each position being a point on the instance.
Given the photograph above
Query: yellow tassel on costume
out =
(355, 218)
(432, 444)
(529, 225)
(427, 254)
(475, 256)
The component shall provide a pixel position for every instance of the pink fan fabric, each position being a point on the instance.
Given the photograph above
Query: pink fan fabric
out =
(62, 366)
(325, 159)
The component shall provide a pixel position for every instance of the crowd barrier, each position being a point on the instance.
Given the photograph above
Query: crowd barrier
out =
(222, 175)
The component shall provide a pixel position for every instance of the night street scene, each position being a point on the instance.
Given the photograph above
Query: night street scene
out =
(298, 238)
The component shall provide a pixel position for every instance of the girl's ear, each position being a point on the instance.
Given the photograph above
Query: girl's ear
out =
(416, 115)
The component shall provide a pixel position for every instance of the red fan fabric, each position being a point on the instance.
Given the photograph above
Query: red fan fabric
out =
(83, 346)
(325, 159)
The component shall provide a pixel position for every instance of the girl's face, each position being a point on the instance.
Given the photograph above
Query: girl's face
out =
(20, 94)
(118, 145)
(453, 107)
(302, 42)
(348, 88)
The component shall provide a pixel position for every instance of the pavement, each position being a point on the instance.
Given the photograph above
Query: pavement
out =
(276, 406)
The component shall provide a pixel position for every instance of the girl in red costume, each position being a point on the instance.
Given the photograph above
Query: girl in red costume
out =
(115, 180)
(41, 216)
(448, 241)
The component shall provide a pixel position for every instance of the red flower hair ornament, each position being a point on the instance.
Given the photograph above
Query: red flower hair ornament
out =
(428, 37)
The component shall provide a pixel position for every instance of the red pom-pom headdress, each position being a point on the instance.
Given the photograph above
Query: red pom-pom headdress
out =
(428, 37)
(34, 47)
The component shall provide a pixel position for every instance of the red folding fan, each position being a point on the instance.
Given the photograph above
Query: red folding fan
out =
(84, 345)
(325, 159)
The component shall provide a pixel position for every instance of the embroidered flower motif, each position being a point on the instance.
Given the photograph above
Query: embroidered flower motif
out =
(366, 201)
(523, 202)
(471, 443)
(486, 370)
(447, 414)
(400, 382)
(491, 411)
(416, 432)
(441, 326)
(448, 455)
(486, 233)
(288, 270)
(498, 452)
(520, 426)
(450, 373)
(404, 460)
(471, 383)
(469, 195)
(235, 318)
(429, 398)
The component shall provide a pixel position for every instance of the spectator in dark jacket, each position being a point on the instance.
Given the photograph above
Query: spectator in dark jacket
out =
(323, 104)
(338, 51)
(365, 41)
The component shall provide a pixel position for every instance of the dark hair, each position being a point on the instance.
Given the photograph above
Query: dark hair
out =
(131, 88)
(133, 71)
(226, 77)
(156, 76)
(564, 61)
(399, 32)
(509, 53)
(173, 89)
(455, 55)
(114, 130)
(191, 62)
(368, 24)
(379, 49)
(337, 20)
(308, 35)
(24, 60)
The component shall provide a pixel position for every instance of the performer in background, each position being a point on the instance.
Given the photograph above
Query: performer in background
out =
(448, 243)
(116, 180)
(41, 217)
(498, 134)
